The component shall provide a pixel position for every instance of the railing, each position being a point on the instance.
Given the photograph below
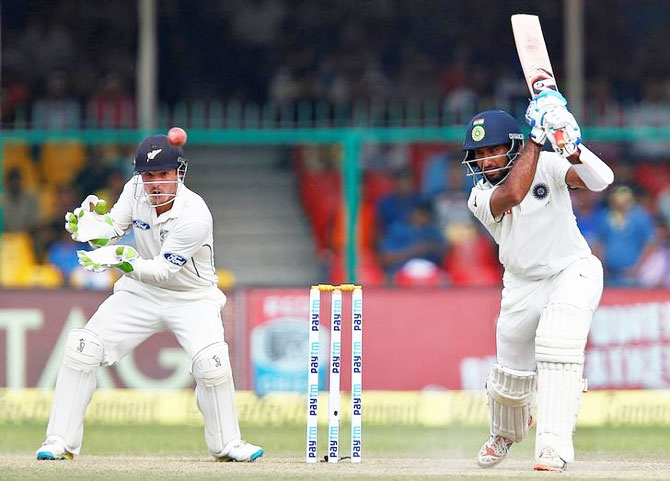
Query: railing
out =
(235, 114)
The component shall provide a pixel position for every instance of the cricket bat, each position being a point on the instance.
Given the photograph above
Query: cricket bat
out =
(534, 58)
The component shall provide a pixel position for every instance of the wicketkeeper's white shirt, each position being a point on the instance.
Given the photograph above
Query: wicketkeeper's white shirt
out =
(176, 248)
(539, 237)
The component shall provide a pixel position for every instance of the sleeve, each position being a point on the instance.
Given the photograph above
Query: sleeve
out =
(479, 204)
(555, 166)
(177, 250)
(122, 211)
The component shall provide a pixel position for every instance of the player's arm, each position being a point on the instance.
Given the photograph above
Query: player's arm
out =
(518, 182)
(177, 250)
(93, 224)
(588, 171)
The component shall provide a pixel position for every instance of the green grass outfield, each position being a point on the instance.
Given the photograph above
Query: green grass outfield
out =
(122, 453)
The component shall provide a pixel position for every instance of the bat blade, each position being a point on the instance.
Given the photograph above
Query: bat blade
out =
(533, 55)
(534, 58)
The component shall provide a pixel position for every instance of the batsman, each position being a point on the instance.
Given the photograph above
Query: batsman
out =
(552, 283)
(168, 282)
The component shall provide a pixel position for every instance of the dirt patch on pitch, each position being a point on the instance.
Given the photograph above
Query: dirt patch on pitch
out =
(273, 468)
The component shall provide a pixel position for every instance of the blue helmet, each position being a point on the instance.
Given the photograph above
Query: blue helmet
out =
(487, 129)
(156, 154)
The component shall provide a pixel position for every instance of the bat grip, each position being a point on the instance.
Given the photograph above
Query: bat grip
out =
(559, 137)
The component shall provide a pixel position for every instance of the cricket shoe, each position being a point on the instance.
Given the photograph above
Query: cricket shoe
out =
(53, 449)
(240, 451)
(493, 451)
(549, 461)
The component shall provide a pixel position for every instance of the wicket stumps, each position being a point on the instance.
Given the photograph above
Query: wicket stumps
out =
(311, 454)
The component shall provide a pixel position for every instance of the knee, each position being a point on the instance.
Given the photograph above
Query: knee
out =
(561, 334)
(211, 366)
(83, 350)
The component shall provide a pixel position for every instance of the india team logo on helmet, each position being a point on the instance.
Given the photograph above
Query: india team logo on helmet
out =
(488, 129)
(478, 131)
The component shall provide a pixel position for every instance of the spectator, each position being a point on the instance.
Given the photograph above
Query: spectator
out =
(416, 238)
(21, 213)
(472, 259)
(95, 174)
(56, 111)
(624, 237)
(397, 206)
(112, 106)
(62, 253)
(112, 190)
(654, 270)
(589, 212)
(50, 231)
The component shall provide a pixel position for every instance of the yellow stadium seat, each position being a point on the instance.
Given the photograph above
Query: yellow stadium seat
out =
(18, 156)
(61, 161)
(46, 200)
(226, 279)
(45, 276)
(17, 259)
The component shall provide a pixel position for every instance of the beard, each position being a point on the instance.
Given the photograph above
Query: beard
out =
(494, 178)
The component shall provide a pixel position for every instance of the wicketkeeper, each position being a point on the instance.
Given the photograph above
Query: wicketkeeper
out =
(169, 281)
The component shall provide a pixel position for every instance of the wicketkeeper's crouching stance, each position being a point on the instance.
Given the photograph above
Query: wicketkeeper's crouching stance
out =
(168, 282)
(552, 282)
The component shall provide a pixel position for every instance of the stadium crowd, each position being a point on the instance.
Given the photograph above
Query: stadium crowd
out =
(70, 65)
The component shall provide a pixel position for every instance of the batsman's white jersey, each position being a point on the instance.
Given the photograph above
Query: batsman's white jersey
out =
(539, 237)
(546, 258)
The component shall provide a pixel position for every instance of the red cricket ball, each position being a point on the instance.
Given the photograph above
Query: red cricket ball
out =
(176, 136)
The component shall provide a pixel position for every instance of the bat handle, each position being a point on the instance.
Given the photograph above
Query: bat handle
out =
(559, 137)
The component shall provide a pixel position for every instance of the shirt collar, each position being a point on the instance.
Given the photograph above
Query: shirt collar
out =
(177, 206)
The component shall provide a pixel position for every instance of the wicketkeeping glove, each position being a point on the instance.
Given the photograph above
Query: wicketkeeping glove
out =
(100, 260)
(93, 226)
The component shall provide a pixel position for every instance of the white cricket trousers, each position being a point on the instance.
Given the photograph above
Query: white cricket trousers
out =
(580, 285)
(124, 320)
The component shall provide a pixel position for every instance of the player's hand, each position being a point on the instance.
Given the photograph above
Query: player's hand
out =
(561, 120)
(90, 222)
(548, 116)
(100, 260)
(538, 108)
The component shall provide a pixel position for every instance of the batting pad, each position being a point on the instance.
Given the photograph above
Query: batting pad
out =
(559, 351)
(511, 395)
(74, 387)
(215, 393)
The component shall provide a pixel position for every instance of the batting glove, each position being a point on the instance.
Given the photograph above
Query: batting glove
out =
(93, 226)
(100, 260)
(547, 114)
(562, 120)
(537, 110)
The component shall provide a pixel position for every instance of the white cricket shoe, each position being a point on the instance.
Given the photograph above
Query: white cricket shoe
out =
(549, 460)
(240, 451)
(53, 449)
(493, 451)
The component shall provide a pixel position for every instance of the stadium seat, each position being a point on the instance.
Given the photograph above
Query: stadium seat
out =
(18, 156)
(226, 279)
(16, 259)
(45, 276)
(368, 272)
(61, 161)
